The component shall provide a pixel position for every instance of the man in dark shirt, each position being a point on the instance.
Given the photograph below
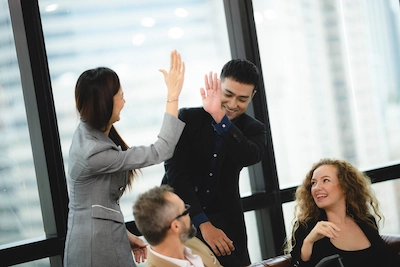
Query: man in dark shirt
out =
(217, 142)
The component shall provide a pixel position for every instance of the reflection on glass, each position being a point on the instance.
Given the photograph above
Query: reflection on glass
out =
(20, 211)
(332, 84)
(331, 70)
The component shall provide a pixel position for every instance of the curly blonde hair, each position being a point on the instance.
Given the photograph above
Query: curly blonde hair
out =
(361, 202)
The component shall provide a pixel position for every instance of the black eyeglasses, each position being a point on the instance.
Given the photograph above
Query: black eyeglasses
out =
(185, 212)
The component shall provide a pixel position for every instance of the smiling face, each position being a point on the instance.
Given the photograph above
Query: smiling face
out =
(235, 97)
(118, 105)
(325, 188)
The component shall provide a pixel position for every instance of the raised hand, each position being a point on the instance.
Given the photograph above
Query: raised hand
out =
(211, 96)
(175, 77)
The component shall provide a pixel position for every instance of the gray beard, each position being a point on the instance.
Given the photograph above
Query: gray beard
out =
(188, 233)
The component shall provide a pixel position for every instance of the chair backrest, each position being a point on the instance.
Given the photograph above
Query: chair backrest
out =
(393, 240)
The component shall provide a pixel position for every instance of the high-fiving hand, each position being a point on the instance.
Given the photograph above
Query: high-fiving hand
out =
(211, 96)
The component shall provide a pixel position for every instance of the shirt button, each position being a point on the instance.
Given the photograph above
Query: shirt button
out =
(204, 208)
(223, 125)
(215, 155)
(208, 191)
(210, 174)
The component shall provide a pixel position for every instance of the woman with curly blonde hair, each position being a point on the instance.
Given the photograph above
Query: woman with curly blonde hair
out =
(335, 213)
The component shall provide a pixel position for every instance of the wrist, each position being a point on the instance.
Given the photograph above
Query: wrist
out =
(205, 225)
(218, 116)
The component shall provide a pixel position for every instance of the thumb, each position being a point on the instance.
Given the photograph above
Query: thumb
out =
(163, 72)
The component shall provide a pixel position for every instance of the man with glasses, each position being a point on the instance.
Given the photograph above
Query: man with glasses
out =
(163, 219)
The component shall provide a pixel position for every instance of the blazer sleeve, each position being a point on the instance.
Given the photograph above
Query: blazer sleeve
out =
(108, 158)
(246, 141)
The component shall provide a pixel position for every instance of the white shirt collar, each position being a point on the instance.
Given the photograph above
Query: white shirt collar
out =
(192, 259)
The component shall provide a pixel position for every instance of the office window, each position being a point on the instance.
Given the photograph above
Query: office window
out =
(331, 72)
(20, 212)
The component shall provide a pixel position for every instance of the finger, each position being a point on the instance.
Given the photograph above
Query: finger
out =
(202, 93)
(172, 61)
(137, 256)
(229, 244)
(223, 247)
(178, 61)
(183, 68)
(215, 81)
(207, 86)
(163, 72)
(210, 80)
(176, 64)
(144, 254)
(216, 250)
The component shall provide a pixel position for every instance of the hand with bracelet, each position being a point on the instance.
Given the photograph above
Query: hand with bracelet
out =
(174, 81)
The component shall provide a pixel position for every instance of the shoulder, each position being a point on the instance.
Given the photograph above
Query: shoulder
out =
(199, 248)
(88, 141)
(246, 120)
(191, 113)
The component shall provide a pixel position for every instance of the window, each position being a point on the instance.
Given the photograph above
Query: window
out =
(332, 85)
(19, 198)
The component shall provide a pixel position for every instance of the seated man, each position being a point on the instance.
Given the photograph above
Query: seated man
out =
(163, 219)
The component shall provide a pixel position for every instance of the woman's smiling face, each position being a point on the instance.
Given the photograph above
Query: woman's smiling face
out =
(325, 188)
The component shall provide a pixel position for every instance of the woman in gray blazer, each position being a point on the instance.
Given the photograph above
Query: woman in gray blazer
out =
(101, 166)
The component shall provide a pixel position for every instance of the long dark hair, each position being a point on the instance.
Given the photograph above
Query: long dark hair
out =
(94, 98)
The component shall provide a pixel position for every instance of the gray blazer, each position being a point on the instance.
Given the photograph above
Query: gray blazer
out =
(98, 173)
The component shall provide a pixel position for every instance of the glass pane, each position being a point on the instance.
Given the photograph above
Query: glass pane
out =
(331, 71)
(20, 211)
(253, 236)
